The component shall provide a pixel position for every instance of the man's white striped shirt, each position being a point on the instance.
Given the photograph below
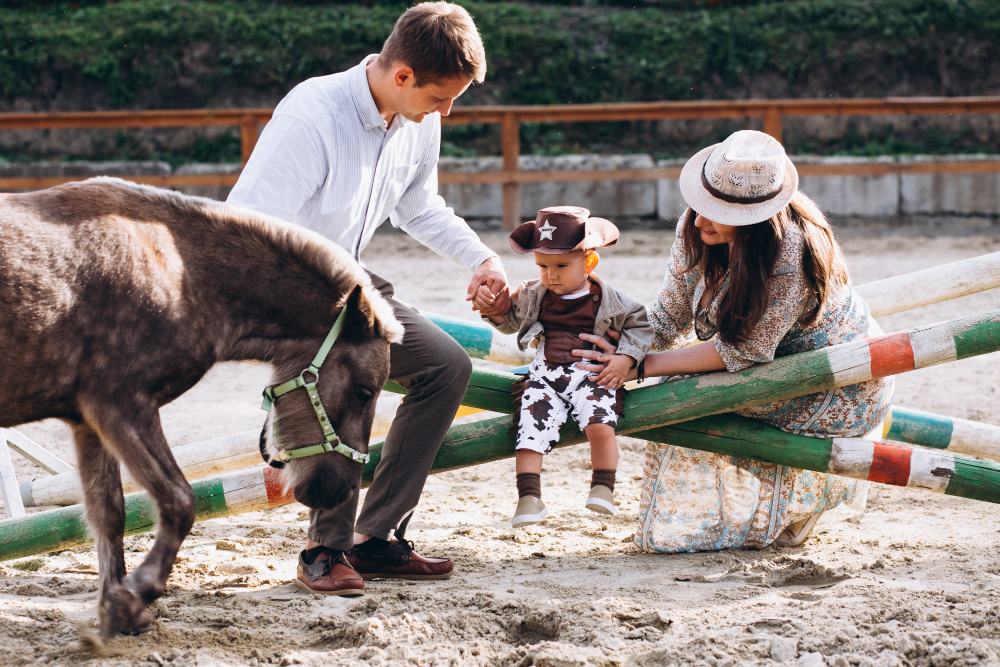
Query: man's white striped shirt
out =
(326, 161)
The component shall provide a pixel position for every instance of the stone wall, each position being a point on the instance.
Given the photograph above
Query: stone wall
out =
(964, 199)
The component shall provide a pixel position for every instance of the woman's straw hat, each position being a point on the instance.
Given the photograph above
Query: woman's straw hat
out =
(742, 181)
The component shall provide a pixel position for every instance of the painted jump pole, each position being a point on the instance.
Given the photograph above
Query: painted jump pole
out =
(231, 493)
(787, 377)
(240, 450)
(781, 379)
(646, 408)
(933, 285)
(197, 460)
(939, 432)
(260, 487)
(481, 341)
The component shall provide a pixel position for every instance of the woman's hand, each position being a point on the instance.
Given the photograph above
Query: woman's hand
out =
(615, 373)
(600, 364)
(599, 357)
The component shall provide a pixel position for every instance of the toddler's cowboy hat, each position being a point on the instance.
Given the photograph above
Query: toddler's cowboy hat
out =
(742, 181)
(560, 229)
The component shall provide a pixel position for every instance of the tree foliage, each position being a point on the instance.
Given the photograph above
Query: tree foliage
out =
(173, 53)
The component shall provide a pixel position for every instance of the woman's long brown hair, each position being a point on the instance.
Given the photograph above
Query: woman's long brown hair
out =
(751, 263)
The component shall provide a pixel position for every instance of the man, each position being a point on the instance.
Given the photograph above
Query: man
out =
(340, 155)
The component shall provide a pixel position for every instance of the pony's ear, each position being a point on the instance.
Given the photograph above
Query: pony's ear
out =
(359, 323)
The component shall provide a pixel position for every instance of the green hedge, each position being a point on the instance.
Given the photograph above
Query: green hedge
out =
(191, 51)
(179, 54)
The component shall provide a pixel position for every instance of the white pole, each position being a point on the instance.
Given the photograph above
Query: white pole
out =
(37, 454)
(8, 481)
(933, 285)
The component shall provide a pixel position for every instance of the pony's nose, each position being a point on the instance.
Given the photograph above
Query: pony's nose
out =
(324, 494)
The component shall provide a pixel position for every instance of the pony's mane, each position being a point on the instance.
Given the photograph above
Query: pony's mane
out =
(316, 253)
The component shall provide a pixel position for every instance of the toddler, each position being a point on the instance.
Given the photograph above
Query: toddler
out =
(567, 300)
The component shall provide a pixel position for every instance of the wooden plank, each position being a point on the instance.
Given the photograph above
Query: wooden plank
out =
(35, 453)
(866, 169)
(545, 176)
(8, 481)
(888, 168)
(541, 113)
(726, 109)
(116, 119)
(174, 180)
(560, 176)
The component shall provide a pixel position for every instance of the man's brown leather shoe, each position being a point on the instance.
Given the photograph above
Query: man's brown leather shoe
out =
(396, 559)
(327, 572)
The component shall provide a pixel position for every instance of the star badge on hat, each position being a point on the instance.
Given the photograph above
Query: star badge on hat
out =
(545, 232)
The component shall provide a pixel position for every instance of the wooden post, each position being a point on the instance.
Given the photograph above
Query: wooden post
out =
(248, 137)
(772, 122)
(511, 189)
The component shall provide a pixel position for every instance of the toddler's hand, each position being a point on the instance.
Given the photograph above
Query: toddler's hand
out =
(615, 373)
(483, 299)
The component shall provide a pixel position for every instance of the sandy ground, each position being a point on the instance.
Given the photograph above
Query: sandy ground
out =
(916, 581)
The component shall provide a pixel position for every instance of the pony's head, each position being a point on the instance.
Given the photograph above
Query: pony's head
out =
(348, 384)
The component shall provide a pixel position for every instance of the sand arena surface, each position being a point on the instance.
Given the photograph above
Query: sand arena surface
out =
(916, 582)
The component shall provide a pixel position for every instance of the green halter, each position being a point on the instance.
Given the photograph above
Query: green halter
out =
(332, 442)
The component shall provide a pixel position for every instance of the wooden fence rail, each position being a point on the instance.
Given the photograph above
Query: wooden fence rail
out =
(510, 117)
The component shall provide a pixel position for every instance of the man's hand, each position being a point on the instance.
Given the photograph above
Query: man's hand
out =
(491, 274)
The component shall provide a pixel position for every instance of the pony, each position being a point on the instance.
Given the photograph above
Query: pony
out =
(116, 298)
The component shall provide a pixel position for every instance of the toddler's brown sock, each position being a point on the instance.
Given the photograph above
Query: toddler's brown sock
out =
(604, 478)
(529, 484)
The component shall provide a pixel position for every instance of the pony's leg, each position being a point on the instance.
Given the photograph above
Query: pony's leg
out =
(132, 431)
(105, 505)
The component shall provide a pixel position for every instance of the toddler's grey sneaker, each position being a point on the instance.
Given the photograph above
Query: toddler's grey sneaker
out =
(529, 510)
(601, 500)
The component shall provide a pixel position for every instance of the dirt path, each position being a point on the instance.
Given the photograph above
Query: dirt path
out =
(917, 581)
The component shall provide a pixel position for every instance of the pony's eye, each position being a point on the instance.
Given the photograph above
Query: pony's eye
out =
(363, 393)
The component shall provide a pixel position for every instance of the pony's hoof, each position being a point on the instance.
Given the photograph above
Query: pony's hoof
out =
(121, 611)
(142, 624)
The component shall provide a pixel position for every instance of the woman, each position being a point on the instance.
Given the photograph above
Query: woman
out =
(755, 273)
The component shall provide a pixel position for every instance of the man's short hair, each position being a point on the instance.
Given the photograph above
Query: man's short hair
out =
(439, 40)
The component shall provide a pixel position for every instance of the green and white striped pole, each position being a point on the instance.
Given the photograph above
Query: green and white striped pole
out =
(781, 379)
(647, 408)
(259, 488)
(857, 458)
(231, 493)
